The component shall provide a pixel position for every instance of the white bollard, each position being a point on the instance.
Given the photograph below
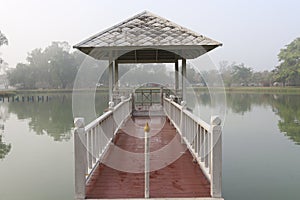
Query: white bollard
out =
(147, 160)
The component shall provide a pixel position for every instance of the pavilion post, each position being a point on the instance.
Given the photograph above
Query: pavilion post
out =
(176, 78)
(110, 80)
(116, 79)
(183, 79)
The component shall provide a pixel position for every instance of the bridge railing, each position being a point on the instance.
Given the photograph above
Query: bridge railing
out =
(92, 141)
(202, 139)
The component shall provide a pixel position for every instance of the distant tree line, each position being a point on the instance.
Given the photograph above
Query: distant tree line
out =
(239, 75)
(56, 66)
(53, 67)
(287, 73)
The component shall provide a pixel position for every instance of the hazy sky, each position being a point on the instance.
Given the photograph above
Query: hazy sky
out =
(252, 32)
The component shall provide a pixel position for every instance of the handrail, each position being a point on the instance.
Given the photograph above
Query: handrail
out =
(92, 141)
(202, 139)
(104, 116)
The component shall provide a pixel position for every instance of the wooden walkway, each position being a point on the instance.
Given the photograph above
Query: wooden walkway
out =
(182, 178)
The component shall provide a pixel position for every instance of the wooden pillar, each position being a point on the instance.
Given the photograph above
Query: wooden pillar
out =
(116, 78)
(110, 80)
(183, 79)
(176, 78)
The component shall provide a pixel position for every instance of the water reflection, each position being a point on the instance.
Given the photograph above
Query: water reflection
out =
(53, 118)
(4, 115)
(4, 148)
(287, 107)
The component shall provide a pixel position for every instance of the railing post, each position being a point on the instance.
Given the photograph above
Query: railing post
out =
(80, 159)
(216, 157)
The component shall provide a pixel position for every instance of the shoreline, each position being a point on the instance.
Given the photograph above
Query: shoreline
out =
(264, 90)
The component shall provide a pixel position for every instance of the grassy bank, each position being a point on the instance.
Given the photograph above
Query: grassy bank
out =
(264, 90)
(283, 90)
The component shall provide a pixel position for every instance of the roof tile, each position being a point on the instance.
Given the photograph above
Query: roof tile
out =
(146, 29)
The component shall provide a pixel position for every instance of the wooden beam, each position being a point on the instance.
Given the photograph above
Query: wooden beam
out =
(146, 61)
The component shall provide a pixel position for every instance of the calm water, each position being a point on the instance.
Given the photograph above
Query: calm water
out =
(261, 147)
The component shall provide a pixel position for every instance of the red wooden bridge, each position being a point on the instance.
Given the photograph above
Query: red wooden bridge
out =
(110, 155)
(182, 178)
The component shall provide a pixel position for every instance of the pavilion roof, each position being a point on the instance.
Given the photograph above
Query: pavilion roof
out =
(147, 31)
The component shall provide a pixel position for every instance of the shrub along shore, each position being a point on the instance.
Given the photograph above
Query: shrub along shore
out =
(265, 90)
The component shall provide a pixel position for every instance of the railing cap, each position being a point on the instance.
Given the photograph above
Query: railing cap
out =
(215, 120)
(123, 98)
(183, 103)
(172, 97)
(79, 122)
(111, 105)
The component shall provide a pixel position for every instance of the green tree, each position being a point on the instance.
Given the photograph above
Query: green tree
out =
(288, 71)
(3, 41)
(226, 73)
(53, 67)
(241, 74)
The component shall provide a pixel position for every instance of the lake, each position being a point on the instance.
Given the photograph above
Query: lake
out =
(261, 147)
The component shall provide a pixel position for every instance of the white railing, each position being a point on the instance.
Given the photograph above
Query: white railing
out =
(92, 141)
(202, 139)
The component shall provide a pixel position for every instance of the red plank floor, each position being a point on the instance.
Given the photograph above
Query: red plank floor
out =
(181, 178)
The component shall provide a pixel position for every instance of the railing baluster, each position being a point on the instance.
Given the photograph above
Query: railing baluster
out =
(205, 148)
(196, 140)
(97, 141)
(209, 152)
(90, 157)
(201, 144)
(94, 145)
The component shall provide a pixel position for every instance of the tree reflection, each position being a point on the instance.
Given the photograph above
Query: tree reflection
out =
(4, 148)
(53, 118)
(287, 107)
(4, 115)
